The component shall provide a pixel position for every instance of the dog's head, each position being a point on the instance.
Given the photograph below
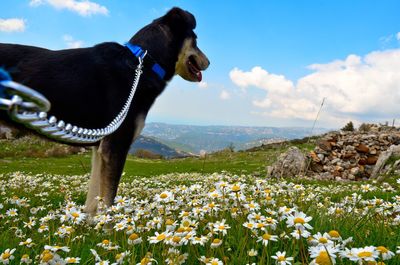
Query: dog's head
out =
(191, 60)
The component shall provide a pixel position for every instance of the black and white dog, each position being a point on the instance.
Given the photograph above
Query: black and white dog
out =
(88, 86)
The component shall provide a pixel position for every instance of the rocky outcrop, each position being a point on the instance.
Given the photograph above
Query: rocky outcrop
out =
(289, 164)
(352, 155)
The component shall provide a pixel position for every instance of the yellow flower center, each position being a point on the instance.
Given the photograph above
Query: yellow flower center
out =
(47, 256)
(298, 220)
(176, 239)
(106, 242)
(71, 260)
(75, 215)
(169, 222)
(161, 237)
(185, 214)
(5, 256)
(323, 240)
(266, 236)
(134, 236)
(382, 249)
(281, 258)
(323, 258)
(334, 233)
(235, 188)
(144, 261)
(365, 254)
(216, 241)
(25, 256)
(118, 256)
(214, 263)
(180, 230)
(221, 227)
(186, 223)
(163, 195)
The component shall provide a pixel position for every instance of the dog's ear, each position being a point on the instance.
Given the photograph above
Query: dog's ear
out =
(179, 19)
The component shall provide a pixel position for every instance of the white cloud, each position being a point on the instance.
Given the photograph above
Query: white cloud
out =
(82, 7)
(12, 25)
(203, 84)
(72, 43)
(36, 2)
(261, 78)
(398, 36)
(358, 88)
(224, 95)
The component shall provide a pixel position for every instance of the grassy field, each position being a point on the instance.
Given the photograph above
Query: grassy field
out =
(180, 212)
(30, 156)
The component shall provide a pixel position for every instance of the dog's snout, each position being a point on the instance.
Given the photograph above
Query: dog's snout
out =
(204, 61)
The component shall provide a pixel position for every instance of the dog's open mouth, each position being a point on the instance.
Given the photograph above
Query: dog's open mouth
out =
(194, 68)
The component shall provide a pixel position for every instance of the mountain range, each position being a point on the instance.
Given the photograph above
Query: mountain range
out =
(167, 138)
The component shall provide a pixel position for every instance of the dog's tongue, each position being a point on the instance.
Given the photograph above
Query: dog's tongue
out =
(199, 76)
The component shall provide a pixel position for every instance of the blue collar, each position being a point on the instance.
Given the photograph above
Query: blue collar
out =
(139, 52)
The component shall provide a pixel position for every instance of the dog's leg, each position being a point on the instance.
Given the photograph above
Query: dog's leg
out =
(94, 183)
(113, 151)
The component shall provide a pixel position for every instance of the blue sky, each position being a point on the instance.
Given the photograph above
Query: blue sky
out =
(272, 62)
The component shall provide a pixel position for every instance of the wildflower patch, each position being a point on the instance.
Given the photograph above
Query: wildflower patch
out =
(198, 219)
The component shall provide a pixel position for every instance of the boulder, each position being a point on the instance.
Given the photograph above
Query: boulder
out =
(394, 150)
(290, 164)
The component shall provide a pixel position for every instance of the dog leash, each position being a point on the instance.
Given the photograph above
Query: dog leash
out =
(29, 107)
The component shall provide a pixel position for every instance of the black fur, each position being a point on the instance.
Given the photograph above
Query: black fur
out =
(87, 87)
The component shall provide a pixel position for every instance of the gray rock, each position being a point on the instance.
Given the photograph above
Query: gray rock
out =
(6, 133)
(353, 155)
(290, 164)
(393, 150)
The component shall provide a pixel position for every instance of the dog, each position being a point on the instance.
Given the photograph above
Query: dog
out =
(87, 87)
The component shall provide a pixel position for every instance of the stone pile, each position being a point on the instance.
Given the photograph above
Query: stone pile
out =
(350, 155)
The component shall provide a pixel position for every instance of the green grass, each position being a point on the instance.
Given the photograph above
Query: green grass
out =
(29, 156)
(48, 183)
(363, 219)
(236, 163)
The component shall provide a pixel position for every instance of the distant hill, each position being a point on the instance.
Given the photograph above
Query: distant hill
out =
(154, 146)
(193, 139)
